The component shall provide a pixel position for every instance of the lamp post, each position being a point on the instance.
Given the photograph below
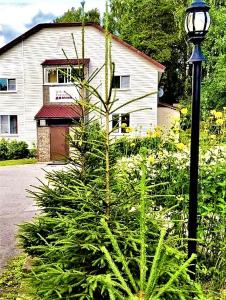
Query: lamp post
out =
(197, 23)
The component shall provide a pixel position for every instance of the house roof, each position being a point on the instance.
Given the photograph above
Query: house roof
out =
(52, 62)
(57, 111)
(38, 27)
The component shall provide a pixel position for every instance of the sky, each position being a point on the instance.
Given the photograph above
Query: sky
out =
(17, 16)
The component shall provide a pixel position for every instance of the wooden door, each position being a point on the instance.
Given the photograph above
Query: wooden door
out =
(59, 148)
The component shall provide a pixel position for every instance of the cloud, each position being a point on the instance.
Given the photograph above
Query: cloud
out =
(41, 17)
(17, 16)
(8, 32)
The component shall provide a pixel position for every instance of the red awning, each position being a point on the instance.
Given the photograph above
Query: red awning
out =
(60, 62)
(59, 112)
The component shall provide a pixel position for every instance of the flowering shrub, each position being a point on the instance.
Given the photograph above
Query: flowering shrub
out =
(168, 173)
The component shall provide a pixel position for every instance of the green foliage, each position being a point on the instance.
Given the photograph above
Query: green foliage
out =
(71, 262)
(3, 149)
(11, 278)
(33, 151)
(13, 149)
(124, 146)
(214, 87)
(76, 15)
(17, 149)
(14, 162)
(170, 165)
(158, 284)
(159, 32)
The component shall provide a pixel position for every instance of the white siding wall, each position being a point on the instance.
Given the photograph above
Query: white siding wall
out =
(23, 62)
(144, 80)
(13, 103)
(167, 117)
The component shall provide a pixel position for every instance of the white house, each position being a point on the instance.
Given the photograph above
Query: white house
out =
(36, 94)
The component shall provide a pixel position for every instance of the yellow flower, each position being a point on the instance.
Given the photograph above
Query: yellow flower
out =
(156, 134)
(218, 115)
(124, 125)
(184, 111)
(213, 136)
(148, 132)
(180, 146)
(212, 112)
(219, 122)
(158, 128)
(151, 159)
(129, 129)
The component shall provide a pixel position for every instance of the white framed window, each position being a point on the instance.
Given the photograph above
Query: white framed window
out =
(7, 85)
(121, 82)
(120, 122)
(8, 124)
(61, 75)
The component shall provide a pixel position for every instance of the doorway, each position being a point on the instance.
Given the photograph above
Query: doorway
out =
(59, 147)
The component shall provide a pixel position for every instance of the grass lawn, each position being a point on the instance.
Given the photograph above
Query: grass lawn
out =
(10, 279)
(13, 162)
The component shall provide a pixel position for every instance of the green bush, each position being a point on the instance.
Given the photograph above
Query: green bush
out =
(3, 149)
(67, 240)
(13, 149)
(17, 150)
(169, 170)
(33, 151)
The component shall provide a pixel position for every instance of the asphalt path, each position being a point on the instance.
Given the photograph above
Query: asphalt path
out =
(16, 206)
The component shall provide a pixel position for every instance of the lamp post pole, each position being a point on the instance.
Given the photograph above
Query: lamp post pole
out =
(196, 25)
(194, 157)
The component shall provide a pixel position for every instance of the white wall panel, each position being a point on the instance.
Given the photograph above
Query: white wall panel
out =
(23, 62)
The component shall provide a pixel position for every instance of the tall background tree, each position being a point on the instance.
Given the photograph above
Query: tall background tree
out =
(156, 28)
(214, 84)
(76, 15)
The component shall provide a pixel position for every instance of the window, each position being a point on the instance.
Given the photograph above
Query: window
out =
(62, 75)
(121, 82)
(7, 84)
(115, 123)
(8, 124)
(124, 122)
(120, 122)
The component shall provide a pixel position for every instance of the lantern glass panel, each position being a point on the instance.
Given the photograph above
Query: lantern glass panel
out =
(190, 22)
(207, 21)
(199, 21)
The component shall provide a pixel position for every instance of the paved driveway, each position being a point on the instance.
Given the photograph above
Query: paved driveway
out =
(15, 204)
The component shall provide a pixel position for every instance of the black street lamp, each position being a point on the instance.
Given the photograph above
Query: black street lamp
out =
(197, 23)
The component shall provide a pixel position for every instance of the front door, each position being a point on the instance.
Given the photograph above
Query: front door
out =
(59, 148)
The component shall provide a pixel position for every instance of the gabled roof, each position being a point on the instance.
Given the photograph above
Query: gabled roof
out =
(57, 111)
(38, 27)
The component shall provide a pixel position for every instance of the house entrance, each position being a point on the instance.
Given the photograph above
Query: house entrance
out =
(59, 148)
